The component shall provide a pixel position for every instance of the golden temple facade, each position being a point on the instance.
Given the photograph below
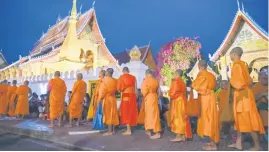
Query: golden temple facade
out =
(247, 34)
(73, 43)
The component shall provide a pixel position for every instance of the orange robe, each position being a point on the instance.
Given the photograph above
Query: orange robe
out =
(128, 108)
(94, 100)
(78, 94)
(257, 89)
(22, 107)
(208, 122)
(225, 106)
(57, 97)
(11, 94)
(149, 114)
(179, 121)
(247, 118)
(107, 93)
(3, 99)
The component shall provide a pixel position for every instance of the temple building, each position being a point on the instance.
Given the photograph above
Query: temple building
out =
(73, 43)
(248, 35)
(146, 56)
(3, 62)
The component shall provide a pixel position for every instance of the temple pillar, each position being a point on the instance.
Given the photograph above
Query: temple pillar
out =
(223, 68)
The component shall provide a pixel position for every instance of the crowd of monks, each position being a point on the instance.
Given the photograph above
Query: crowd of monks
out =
(236, 104)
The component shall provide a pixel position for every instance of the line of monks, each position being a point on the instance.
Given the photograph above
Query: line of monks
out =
(14, 101)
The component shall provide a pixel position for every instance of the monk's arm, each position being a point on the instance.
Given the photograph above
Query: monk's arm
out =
(172, 90)
(200, 84)
(102, 91)
(145, 88)
(237, 78)
(119, 84)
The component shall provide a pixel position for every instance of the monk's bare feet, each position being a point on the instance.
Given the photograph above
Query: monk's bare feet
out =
(10, 118)
(108, 134)
(209, 147)
(156, 136)
(239, 147)
(253, 149)
(177, 139)
(127, 133)
(51, 125)
(69, 125)
(148, 133)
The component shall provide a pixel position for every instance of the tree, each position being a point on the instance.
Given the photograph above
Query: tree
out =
(178, 54)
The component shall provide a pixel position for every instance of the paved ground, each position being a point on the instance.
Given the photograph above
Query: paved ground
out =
(84, 138)
(12, 142)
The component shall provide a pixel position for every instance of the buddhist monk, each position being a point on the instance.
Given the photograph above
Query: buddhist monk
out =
(77, 98)
(11, 94)
(95, 94)
(179, 121)
(22, 104)
(107, 94)
(246, 116)
(3, 99)
(225, 107)
(208, 121)
(128, 109)
(260, 90)
(57, 98)
(149, 114)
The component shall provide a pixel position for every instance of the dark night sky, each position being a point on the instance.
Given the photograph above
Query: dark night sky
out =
(125, 23)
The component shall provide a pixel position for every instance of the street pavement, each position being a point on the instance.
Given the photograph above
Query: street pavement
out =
(82, 137)
(13, 142)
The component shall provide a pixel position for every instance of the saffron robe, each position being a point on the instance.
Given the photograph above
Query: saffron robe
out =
(57, 97)
(257, 89)
(179, 121)
(107, 93)
(149, 113)
(3, 99)
(94, 100)
(22, 106)
(246, 116)
(128, 108)
(78, 94)
(225, 106)
(11, 94)
(208, 122)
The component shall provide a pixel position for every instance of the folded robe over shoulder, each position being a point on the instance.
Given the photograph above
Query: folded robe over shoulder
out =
(208, 122)
(246, 116)
(3, 99)
(22, 107)
(57, 97)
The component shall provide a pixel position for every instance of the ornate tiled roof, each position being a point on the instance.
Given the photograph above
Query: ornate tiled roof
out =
(3, 62)
(123, 57)
(240, 16)
(55, 35)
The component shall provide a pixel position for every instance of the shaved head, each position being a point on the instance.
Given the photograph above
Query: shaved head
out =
(237, 51)
(202, 64)
(179, 72)
(102, 73)
(14, 82)
(125, 70)
(149, 72)
(26, 82)
(79, 76)
(5, 81)
(57, 74)
(109, 72)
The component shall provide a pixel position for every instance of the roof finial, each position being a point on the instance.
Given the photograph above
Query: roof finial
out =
(93, 4)
(74, 10)
(243, 8)
(238, 5)
(80, 8)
